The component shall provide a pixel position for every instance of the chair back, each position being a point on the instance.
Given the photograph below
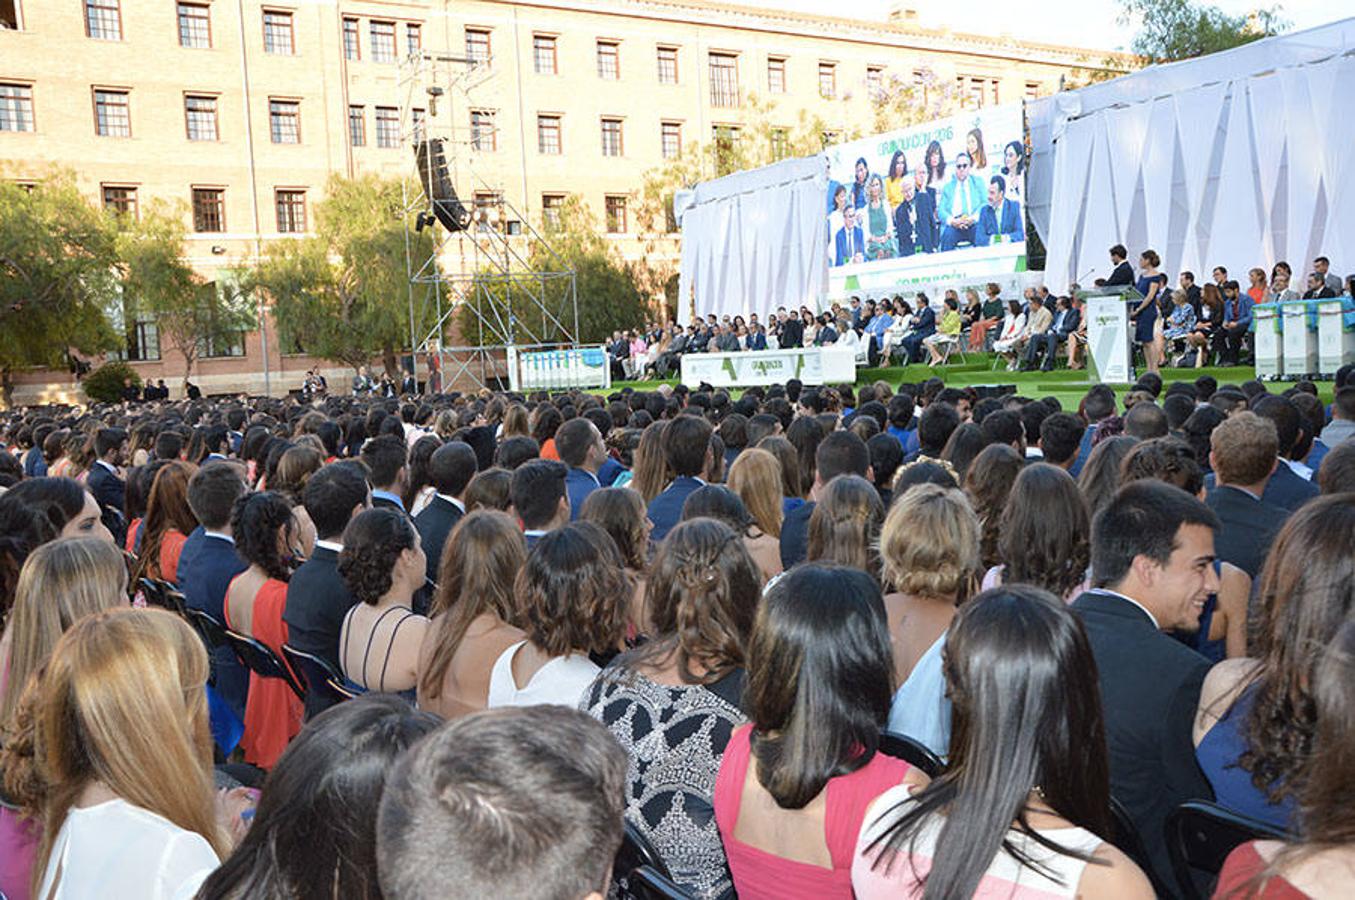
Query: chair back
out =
(208, 627)
(262, 661)
(320, 676)
(1125, 836)
(636, 852)
(163, 595)
(913, 752)
(1200, 835)
(647, 884)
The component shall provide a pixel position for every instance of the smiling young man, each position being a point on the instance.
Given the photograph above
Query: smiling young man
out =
(1153, 567)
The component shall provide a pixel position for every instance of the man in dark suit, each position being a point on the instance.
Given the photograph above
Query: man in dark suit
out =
(208, 562)
(1243, 453)
(757, 338)
(1066, 321)
(905, 221)
(1123, 273)
(850, 241)
(928, 226)
(1152, 564)
(727, 341)
(539, 498)
(1286, 488)
(579, 443)
(924, 326)
(450, 469)
(686, 441)
(317, 597)
(840, 453)
(1000, 216)
(385, 457)
(792, 331)
(105, 481)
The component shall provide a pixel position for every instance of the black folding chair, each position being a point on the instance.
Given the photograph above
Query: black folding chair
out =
(262, 661)
(322, 679)
(911, 751)
(1200, 835)
(162, 594)
(1127, 839)
(208, 627)
(636, 853)
(647, 884)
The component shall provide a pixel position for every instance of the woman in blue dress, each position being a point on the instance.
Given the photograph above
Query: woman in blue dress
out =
(1151, 285)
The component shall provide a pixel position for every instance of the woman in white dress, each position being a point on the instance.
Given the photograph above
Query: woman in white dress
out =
(1013, 333)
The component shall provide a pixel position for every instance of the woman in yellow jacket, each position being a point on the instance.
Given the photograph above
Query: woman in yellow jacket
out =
(947, 332)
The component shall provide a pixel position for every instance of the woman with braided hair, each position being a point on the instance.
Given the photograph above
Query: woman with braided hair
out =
(674, 702)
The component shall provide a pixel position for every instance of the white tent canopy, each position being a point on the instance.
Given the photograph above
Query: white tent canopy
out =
(1241, 158)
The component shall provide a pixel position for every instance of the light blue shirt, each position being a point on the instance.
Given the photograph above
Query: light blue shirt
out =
(394, 498)
(920, 709)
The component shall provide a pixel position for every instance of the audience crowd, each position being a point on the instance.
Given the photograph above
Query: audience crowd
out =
(802, 642)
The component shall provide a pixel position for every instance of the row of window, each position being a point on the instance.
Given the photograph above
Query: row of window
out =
(103, 22)
(209, 207)
(143, 343)
(381, 41)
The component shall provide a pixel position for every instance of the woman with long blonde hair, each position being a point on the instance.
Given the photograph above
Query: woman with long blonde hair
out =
(845, 525)
(123, 742)
(756, 478)
(515, 423)
(169, 521)
(651, 473)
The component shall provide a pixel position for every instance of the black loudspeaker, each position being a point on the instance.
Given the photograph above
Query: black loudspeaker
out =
(432, 163)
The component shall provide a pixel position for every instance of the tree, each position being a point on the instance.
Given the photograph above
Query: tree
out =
(57, 276)
(190, 313)
(344, 294)
(1183, 29)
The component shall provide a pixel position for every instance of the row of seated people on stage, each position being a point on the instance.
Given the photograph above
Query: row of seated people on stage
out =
(855, 641)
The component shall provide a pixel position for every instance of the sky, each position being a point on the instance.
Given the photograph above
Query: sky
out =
(1083, 23)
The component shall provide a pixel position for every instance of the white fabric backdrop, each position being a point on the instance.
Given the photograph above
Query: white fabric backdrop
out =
(1238, 159)
(756, 240)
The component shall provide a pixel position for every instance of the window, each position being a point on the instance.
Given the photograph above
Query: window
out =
(417, 117)
(352, 48)
(780, 143)
(668, 65)
(827, 80)
(383, 41)
(670, 139)
(483, 135)
(609, 60)
(921, 84)
(291, 209)
(120, 200)
(200, 117)
(976, 90)
(413, 38)
(616, 214)
(724, 79)
(143, 341)
(489, 206)
(477, 46)
(277, 32)
(232, 344)
(209, 209)
(357, 126)
(543, 54)
(776, 74)
(548, 135)
(103, 20)
(16, 107)
(1032, 90)
(551, 204)
(387, 126)
(726, 146)
(112, 115)
(611, 137)
(195, 25)
(9, 15)
(284, 121)
(875, 80)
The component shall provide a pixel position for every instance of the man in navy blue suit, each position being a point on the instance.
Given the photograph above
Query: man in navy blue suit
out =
(924, 326)
(686, 441)
(579, 443)
(1000, 217)
(924, 204)
(208, 562)
(105, 482)
(850, 240)
(450, 468)
(540, 498)
(1286, 488)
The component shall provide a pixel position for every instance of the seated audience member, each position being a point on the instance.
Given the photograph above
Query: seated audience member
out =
(1044, 534)
(1060, 437)
(1255, 726)
(1337, 473)
(505, 803)
(574, 601)
(987, 485)
(382, 563)
(168, 523)
(490, 489)
(474, 614)
(131, 810)
(514, 451)
(686, 450)
(1318, 863)
(999, 822)
(795, 782)
(929, 548)
(756, 478)
(317, 597)
(713, 501)
(1100, 477)
(386, 457)
(886, 455)
(1066, 320)
(315, 827)
(1286, 488)
(39, 510)
(1243, 451)
(1152, 567)
(582, 449)
(419, 488)
(674, 701)
(540, 498)
(840, 453)
(266, 538)
(209, 562)
(1145, 421)
(844, 528)
(621, 513)
(450, 470)
(1012, 336)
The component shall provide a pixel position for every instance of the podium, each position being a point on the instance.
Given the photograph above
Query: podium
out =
(1106, 311)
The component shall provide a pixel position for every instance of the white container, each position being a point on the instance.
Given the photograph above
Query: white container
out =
(1300, 339)
(1335, 342)
(1269, 354)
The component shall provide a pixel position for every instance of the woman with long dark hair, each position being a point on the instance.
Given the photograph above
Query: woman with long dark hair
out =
(1024, 805)
(168, 523)
(988, 483)
(934, 162)
(845, 525)
(795, 783)
(1044, 534)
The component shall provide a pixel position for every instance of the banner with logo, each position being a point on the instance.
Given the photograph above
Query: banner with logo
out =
(1108, 337)
(565, 369)
(814, 365)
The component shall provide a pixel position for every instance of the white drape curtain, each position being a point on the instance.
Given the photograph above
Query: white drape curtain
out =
(756, 240)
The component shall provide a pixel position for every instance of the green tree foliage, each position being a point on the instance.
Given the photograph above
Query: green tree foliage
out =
(57, 276)
(1183, 29)
(344, 294)
(105, 384)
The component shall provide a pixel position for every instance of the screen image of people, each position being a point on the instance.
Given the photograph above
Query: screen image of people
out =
(952, 185)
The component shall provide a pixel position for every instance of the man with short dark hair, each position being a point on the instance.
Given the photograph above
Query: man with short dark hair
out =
(1289, 486)
(1153, 570)
(1066, 321)
(686, 447)
(450, 469)
(1337, 473)
(1237, 318)
(1331, 281)
(168, 445)
(1005, 427)
(385, 456)
(317, 596)
(511, 802)
(1244, 451)
(539, 497)
(840, 453)
(1123, 273)
(1145, 421)
(934, 428)
(1060, 436)
(105, 480)
(579, 443)
(514, 451)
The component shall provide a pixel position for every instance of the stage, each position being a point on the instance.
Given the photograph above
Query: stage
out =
(812, 365)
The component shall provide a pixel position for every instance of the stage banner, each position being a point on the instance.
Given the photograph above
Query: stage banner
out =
(814, 365)
(941, 202)
(1108, 336)
(564, 369)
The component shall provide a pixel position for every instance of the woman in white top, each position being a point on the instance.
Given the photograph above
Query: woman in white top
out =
(575, 601)
(1027, 757)
(131, 810)
(1013, 332)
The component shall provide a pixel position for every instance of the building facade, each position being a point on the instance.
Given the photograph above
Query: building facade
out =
(240, 110)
